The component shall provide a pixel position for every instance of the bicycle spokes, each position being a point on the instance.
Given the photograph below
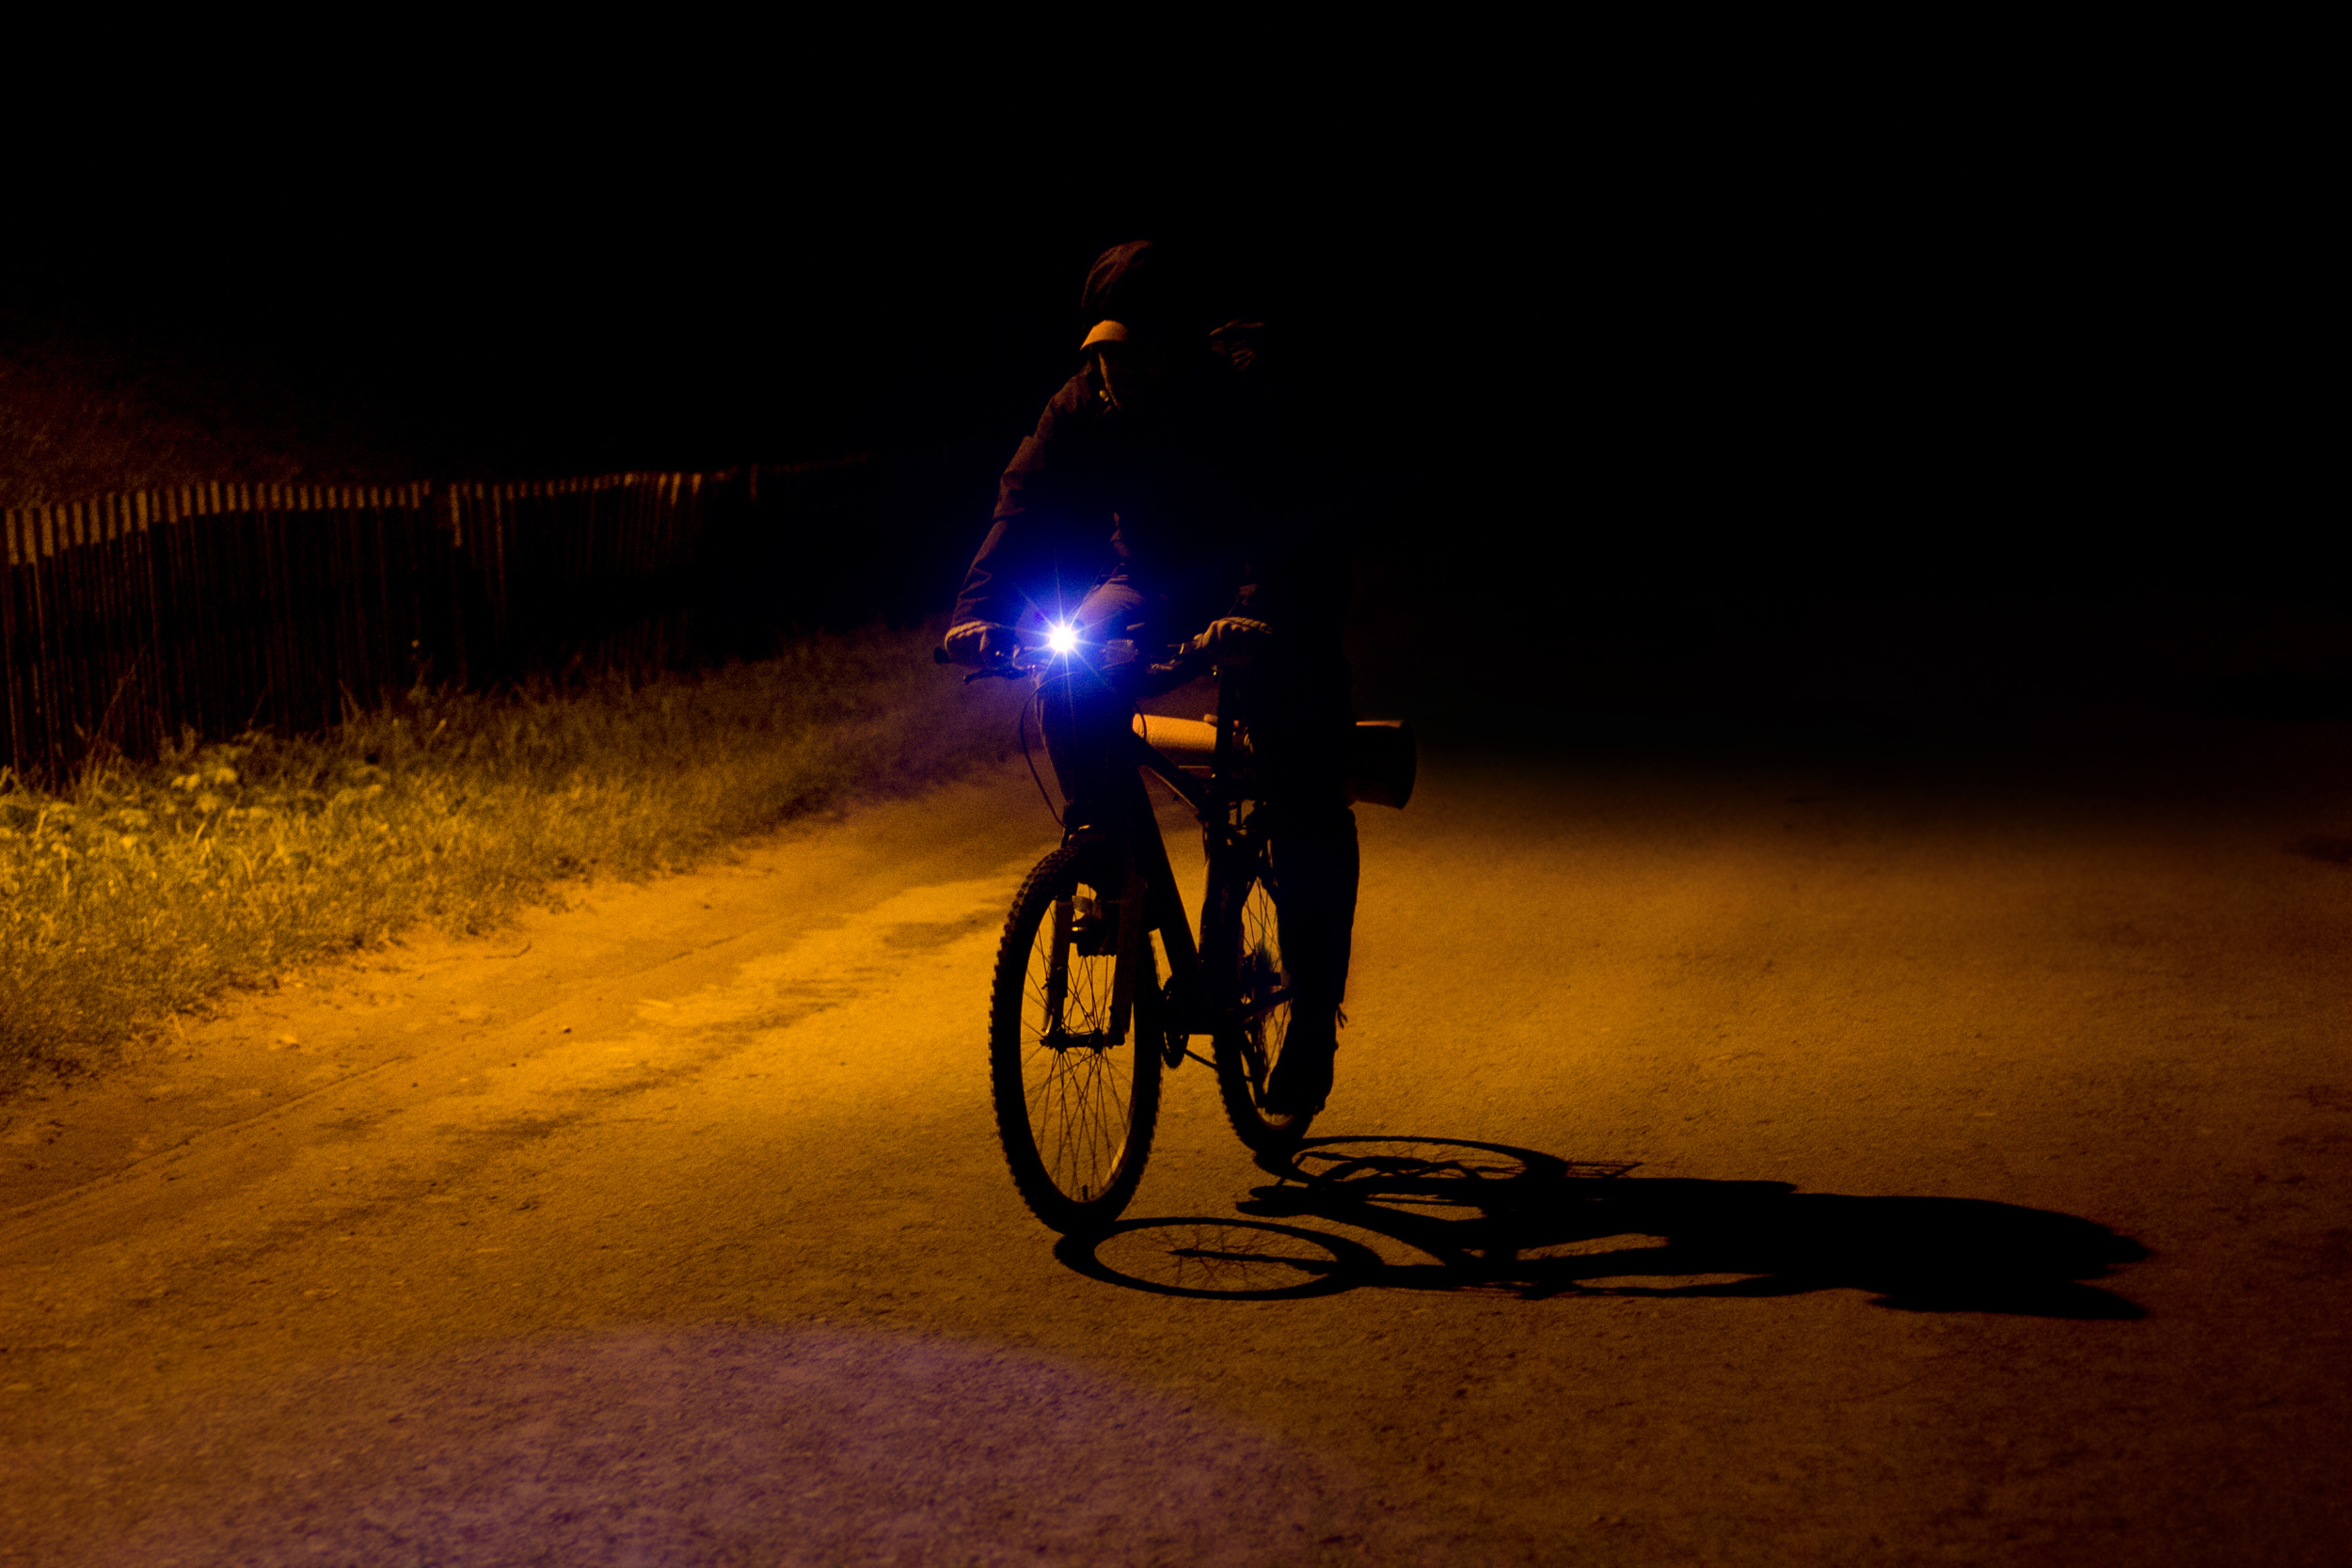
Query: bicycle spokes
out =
(1250, 1044)
(1265, 986)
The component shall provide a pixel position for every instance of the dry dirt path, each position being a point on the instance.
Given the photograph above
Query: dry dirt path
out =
(1986, 1204)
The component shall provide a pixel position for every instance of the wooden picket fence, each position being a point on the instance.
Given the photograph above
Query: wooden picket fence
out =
(220, 608)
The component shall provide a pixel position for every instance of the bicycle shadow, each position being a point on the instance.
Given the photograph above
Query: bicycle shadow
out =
(1495, 1219)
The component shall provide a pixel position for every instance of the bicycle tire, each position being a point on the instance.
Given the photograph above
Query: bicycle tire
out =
(1246, 1052)
(1075, 1108)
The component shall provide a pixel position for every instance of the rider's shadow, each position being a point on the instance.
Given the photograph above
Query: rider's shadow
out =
(1495, 1219)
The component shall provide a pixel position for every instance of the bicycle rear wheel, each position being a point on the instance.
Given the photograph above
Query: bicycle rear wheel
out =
(1247, 1051)
(1077, 1085)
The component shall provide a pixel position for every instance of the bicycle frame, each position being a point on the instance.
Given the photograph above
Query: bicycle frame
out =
(1201, 996)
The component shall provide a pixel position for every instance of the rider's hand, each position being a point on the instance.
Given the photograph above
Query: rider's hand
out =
(1233, 640)
(981, 642)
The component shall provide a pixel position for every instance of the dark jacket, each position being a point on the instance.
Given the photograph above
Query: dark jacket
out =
(1199, 499)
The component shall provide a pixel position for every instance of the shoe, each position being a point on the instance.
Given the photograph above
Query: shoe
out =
(1301, 1081)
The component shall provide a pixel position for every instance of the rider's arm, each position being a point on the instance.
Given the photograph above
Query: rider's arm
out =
(981, 642)
(1233, 639)
(1046, 529)
(1292, 505)
(1298, 577)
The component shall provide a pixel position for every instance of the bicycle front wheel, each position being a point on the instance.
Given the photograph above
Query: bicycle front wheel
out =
(1247, 1051)
(1075, 1068)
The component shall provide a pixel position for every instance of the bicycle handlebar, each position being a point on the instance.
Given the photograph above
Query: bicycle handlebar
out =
(1190, 661)
(1005, 669)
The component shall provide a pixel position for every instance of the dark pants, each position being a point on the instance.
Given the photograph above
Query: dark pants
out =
(1294, 702)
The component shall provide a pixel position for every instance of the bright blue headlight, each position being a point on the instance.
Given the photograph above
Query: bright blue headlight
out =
(1062, 639)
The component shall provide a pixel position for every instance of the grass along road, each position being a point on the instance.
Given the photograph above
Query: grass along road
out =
(143, 890)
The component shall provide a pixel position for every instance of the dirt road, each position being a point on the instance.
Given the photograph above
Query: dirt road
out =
(1877, 1165)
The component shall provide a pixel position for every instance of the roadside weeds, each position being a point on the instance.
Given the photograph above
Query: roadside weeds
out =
(143, 890)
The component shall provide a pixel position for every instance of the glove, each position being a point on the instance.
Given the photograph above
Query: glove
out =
(1233, 640)
(981, 642)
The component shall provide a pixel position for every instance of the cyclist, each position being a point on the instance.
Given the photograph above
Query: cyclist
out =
(1159, 495)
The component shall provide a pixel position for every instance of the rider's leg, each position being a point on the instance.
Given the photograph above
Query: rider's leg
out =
(1086, 703)
(1300, 730)
(1316, 863)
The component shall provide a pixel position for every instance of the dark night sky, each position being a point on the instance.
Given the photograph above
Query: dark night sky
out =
(1823, 349)
(1776, 399)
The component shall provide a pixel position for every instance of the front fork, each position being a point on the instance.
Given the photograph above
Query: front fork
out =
(1146, 900)
(1134, 947)
(1188, 1005)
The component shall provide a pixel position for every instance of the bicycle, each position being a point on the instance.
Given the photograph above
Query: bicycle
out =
(1080, 1022)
